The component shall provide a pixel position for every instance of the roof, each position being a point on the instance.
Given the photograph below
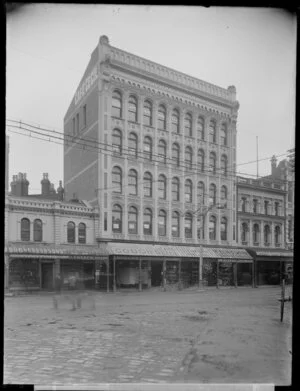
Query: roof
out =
(136, 249)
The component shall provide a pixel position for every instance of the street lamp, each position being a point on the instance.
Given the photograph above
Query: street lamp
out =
(203, 215)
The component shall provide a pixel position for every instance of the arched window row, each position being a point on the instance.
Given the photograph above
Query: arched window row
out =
(71, 232)
(37, 230)
(175, 118)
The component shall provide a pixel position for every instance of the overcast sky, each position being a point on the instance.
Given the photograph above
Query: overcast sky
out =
(49, 47)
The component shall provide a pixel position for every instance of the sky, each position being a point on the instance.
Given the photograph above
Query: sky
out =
(49, 46)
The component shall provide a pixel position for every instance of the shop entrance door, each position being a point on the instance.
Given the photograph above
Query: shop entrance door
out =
(89, 275)
(156, 273)
(47, 276)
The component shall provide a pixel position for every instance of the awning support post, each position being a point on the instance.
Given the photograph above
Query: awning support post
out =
(114, 278)
(107, 276)
(235, 274)
(140, 274)
(253, 275)
(164, 274)
(179, 275)
(217, 274)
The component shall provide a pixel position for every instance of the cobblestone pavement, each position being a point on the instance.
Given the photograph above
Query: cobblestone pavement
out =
(225, 335)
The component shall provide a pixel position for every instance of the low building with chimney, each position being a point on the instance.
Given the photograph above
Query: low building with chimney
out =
(46, 236)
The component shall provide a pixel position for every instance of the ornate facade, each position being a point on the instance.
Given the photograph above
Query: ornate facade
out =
(151, 146)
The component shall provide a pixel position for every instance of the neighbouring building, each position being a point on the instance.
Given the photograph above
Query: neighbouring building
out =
(262, 225)
(45, 236)
(150, 146)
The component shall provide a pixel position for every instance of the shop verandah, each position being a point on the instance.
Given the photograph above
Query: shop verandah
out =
(142, 266)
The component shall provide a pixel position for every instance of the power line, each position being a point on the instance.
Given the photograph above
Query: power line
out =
(125, 151)
(112, 188)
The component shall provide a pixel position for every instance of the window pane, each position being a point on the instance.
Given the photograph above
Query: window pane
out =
(37, 231)
(71, 232)
(25, 230)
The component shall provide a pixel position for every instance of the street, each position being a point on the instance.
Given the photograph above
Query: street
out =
(212, 336)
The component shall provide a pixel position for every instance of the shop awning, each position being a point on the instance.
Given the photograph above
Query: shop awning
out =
(52, 251)
(270, 253)
(156, 250)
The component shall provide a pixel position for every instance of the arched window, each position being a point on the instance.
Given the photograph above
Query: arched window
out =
(212, 228)
(117, 179)
(200, 227)
(255, 233)
(71, 232)
(81, 233)
(133, 145)
(175, 225)
(132, 220)
(117, 141)
(244, 204)
(188, 191)
(147, 222)
(176, 155)
(224, 165)
(212, 131)
(188, 131)
(188, 157)
(147, 184)
(255, 206)
(223, 228)
(175, 121)
(132, 182)
(200, 193)
(132, 109)
(276, 208)
(267, 234)
(161, 117)
(224, 196)
(201, 159)
(117, 218)
(25, 230)
(162, 187)
(116, 110)
(200, 128)
(147, 114)
(162, 223)
(266, 207)
(162, 151)
(277, 234)
(188, 225)
(37, 230)
(148, 148)
(212, 194)
(175, 189)
(244, 233)
(212, 162)
(223, 134)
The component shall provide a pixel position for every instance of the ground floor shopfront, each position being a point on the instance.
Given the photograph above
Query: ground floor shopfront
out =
(33, 268)
(271, 266)
(131, 265)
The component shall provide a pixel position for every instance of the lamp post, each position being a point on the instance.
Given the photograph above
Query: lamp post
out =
(203, 215)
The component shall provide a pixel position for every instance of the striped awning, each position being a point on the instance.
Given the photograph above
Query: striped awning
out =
(52, 251)
(156, 250)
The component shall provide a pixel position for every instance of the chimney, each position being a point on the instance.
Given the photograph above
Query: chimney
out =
(52, 190)
(60, 191)
(13, 185)
(45, 185)
(273, 166)
(19, 185)
(25, 185)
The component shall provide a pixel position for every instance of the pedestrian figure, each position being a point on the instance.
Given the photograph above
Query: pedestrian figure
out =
(72, 286)
(58, 284)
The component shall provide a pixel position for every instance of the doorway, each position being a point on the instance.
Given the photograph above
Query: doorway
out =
(156, 273)
(89, 275)
(47, 276)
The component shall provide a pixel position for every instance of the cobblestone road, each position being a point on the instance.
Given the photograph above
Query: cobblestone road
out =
(226, 335)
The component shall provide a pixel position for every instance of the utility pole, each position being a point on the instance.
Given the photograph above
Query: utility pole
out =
(203, 215)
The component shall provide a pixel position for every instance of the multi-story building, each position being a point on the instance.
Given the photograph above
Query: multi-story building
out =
(151, 146)
(46, 236)
(262, 225)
